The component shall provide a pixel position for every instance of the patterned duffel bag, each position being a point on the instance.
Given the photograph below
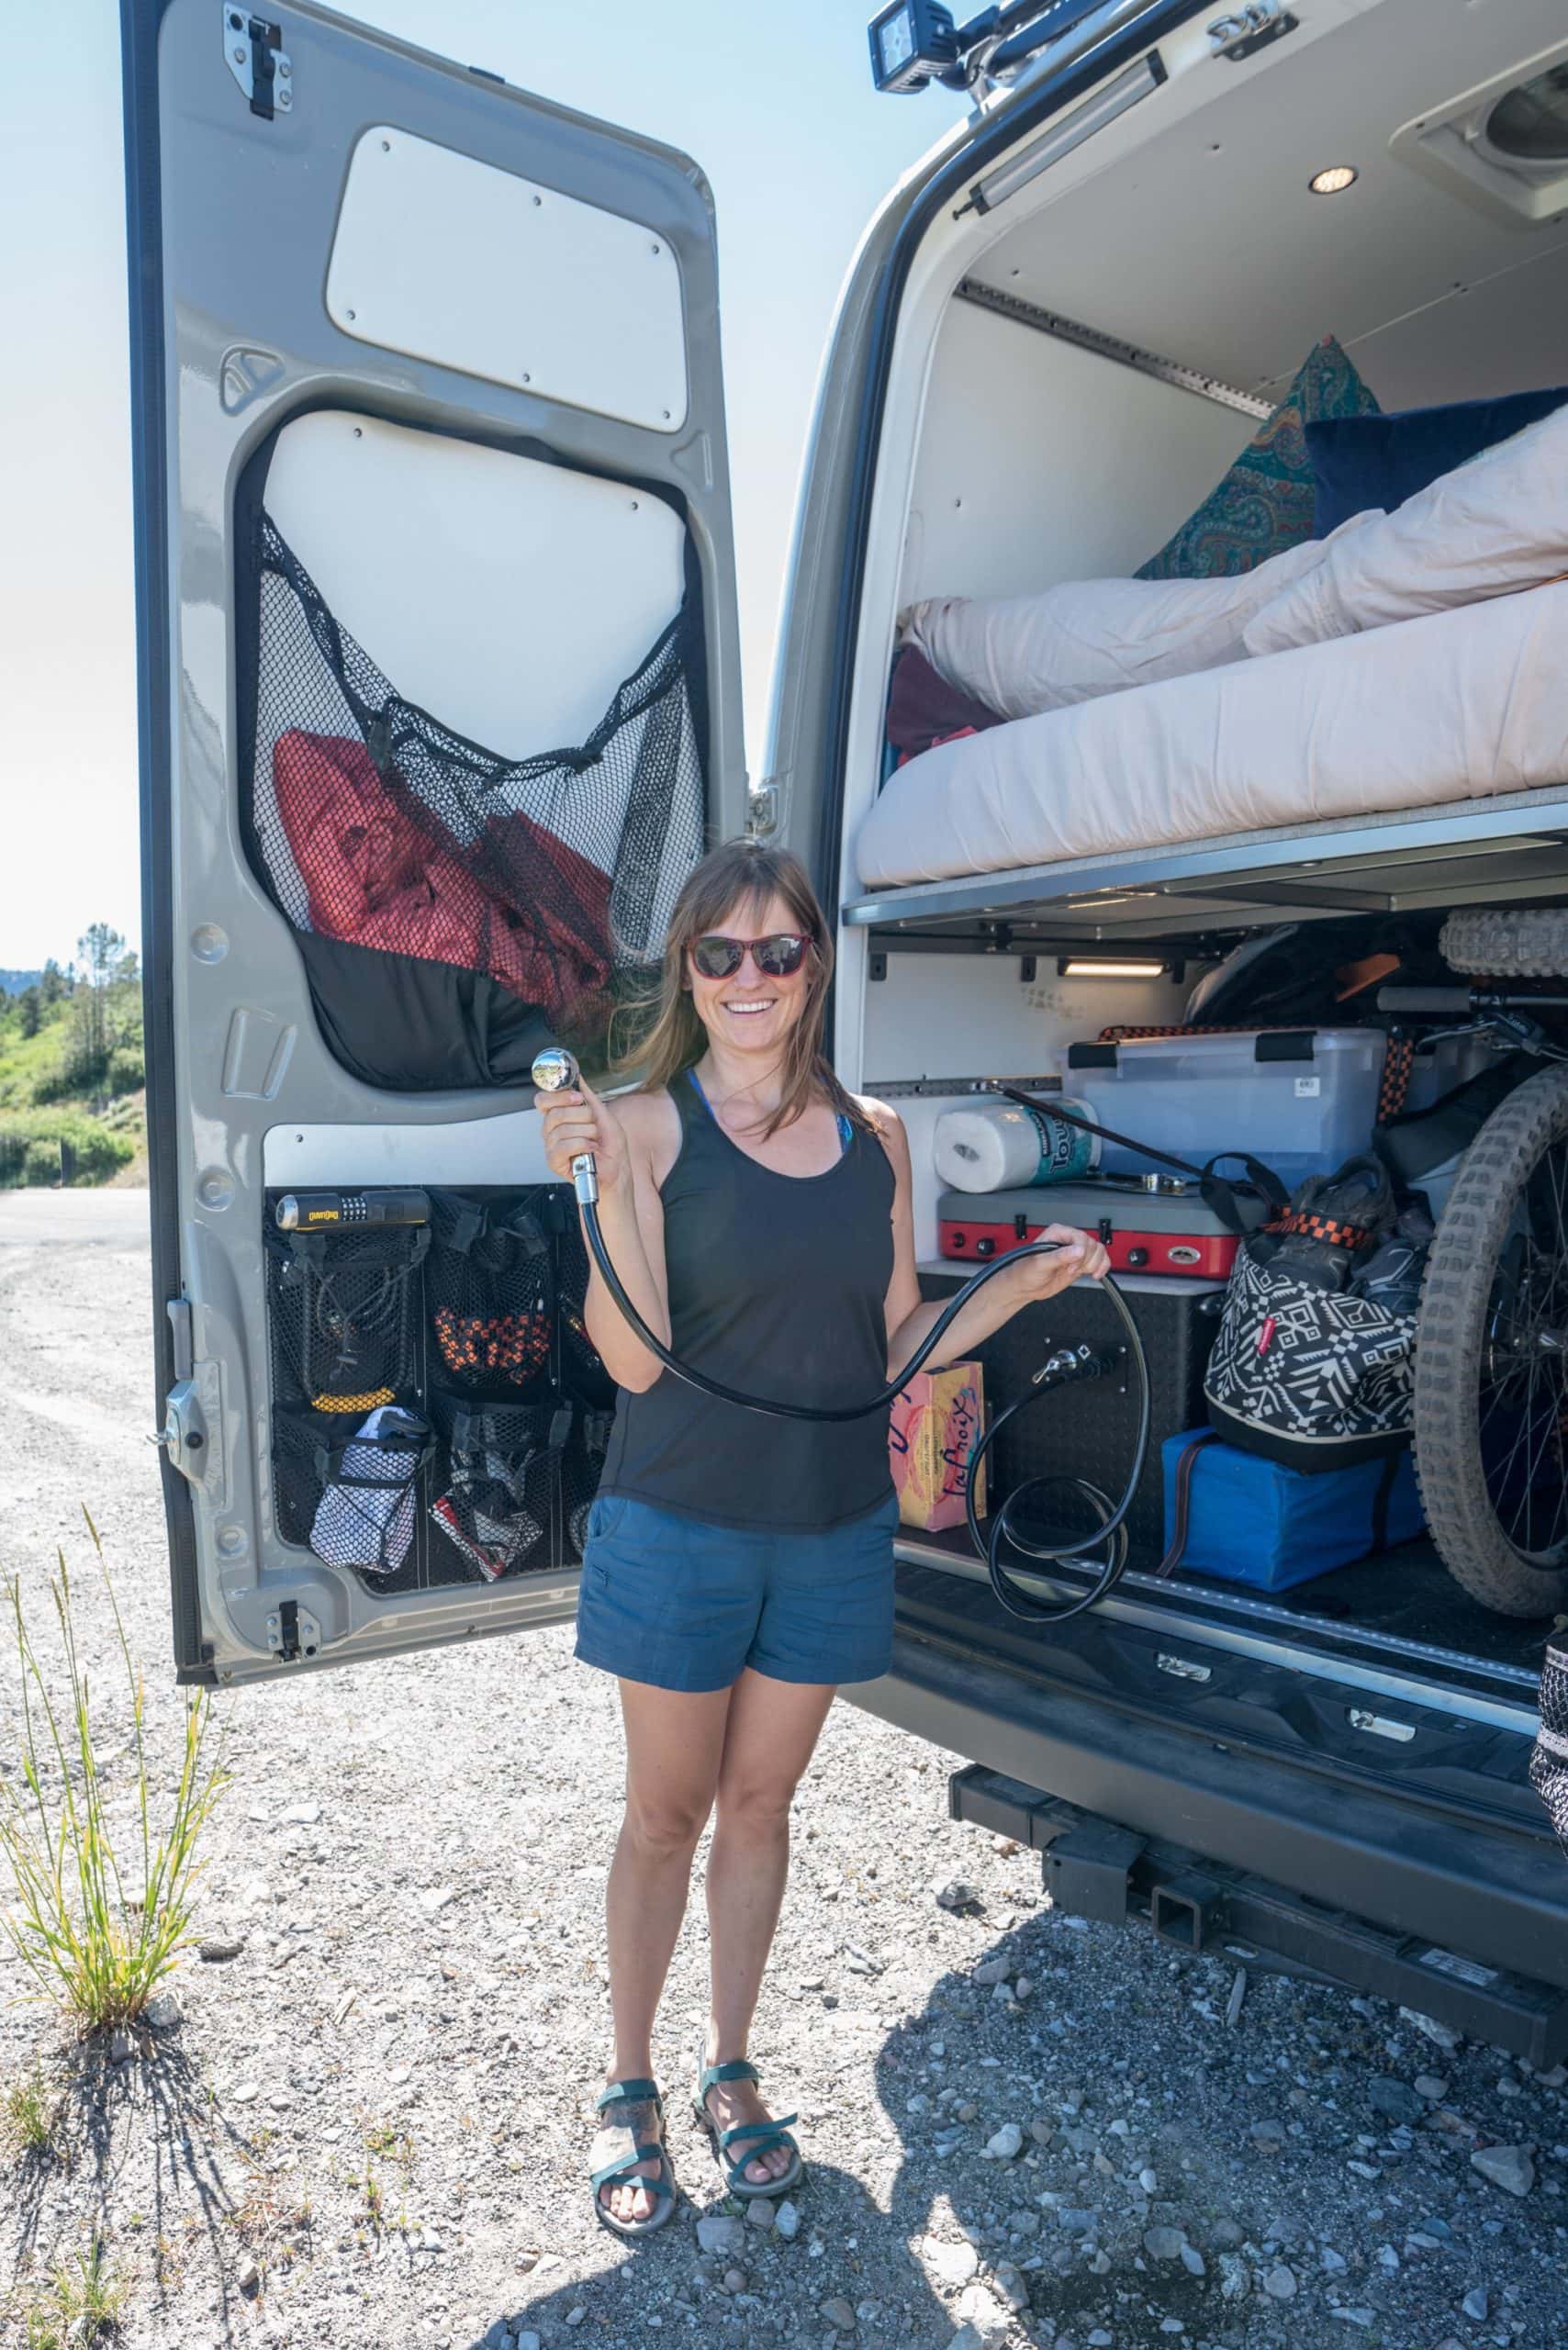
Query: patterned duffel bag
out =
(1314, 1363)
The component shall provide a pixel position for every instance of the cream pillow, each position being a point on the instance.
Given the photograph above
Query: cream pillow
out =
(1494, 524)
(1023, 655)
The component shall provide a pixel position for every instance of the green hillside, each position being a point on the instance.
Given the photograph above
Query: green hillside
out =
(73, 1100)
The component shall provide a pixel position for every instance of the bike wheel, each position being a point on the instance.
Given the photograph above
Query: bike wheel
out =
(1507, 942)
(1491, 1401)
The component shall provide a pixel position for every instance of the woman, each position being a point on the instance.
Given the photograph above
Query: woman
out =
(738, 1568)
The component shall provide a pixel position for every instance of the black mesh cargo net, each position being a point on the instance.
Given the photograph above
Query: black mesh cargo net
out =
(440, 1415)
(456, 909)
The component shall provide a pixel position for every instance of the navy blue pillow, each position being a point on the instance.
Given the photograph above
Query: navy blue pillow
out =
(1362, 461)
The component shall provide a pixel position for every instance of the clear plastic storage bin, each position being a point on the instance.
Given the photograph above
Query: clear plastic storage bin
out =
(1452, 1060)
(1303, 1102)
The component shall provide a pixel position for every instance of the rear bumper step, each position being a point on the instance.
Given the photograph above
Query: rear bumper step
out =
(1093, 1869)
(1391, 1871)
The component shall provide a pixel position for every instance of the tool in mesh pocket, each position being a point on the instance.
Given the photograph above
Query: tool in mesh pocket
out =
(343, 1312)
(495, 1503)
(365, 1515)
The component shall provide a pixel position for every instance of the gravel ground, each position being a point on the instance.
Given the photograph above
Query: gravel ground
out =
(370, 2124)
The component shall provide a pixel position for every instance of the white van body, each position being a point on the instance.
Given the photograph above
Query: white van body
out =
(463, 345)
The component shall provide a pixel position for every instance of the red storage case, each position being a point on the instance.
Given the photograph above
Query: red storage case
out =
(1158, 1224)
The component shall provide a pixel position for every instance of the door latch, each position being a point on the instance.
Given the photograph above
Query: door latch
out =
(258, 62)
(183, 1433)
(1253, 25)
(191, 1409)
(762, 810)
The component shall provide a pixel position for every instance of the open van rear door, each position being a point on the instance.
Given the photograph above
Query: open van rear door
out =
(439, 701)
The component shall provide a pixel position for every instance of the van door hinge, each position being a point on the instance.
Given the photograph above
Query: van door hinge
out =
(763, 808)
(291, 1632)
(258, 62)
(1251, 27)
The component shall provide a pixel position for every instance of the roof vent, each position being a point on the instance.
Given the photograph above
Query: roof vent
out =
(1504, 145)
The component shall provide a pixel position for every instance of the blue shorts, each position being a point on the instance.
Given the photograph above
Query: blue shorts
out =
(681, 1605)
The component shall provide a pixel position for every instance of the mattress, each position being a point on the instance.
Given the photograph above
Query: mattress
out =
(1456, 705)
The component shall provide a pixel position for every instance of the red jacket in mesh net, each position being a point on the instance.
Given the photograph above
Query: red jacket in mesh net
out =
(382, 870)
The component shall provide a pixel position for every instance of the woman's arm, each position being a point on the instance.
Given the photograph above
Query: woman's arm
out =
(908, 1319)
(631, 1217)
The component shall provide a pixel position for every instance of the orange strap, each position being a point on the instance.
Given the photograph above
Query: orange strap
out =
(1320, 1227)
(1239, 1028)
(1394, 1088)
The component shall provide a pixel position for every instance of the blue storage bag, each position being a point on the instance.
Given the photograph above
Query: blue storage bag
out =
(1251, 1520)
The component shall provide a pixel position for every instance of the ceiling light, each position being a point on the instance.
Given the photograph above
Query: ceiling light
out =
(1086, 967)
(1334, 179)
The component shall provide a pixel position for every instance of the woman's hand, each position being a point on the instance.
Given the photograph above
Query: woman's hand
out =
(577, 1121)
(1079, 1258)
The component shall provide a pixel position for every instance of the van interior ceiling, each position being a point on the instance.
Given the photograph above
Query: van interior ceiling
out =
(1075, 370)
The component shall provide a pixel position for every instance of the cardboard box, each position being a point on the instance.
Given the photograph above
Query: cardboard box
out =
(937, 1422)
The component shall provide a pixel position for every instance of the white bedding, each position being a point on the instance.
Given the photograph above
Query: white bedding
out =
(1455, 705)
(1491, 527)
(1023, 655)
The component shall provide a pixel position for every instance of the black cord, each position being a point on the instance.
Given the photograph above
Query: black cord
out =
(1111, 1528)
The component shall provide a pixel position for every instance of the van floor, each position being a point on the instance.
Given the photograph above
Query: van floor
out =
(1403, 1604)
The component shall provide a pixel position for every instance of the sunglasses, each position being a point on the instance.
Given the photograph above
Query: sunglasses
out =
(775, 957)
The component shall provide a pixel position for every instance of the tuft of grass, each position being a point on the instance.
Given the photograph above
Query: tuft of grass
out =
(384, 2138)
(97, 1926)
(26, 2116)
(85, 2304)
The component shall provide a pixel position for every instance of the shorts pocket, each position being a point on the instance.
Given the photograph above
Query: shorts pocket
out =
(606, 1517)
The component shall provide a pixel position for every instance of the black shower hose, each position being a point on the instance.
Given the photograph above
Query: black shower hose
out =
(1110, 1526)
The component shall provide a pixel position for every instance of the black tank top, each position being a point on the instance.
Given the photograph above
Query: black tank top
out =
(776, 1286)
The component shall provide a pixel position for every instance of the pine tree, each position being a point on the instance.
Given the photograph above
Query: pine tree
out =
(102, 951)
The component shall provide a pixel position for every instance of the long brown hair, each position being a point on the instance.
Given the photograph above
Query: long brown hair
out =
(667, 1036)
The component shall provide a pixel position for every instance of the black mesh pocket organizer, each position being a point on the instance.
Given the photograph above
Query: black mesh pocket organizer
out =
(455, 909)
(344, 1309)
(353, 1498)
(491, 1294)
(494, 1486)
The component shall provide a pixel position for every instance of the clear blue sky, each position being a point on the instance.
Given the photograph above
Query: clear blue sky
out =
(776, 104)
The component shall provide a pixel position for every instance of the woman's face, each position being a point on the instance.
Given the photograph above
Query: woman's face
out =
(752, 1011)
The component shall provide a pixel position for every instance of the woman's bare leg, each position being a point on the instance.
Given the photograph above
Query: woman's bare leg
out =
(674, 1746)
(772, 1728)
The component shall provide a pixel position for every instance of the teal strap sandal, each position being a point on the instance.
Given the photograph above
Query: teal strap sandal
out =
(632, 2133)
(734, 2149)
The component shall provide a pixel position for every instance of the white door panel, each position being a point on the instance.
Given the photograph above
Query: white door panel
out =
(539, 587)
(448, 259)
